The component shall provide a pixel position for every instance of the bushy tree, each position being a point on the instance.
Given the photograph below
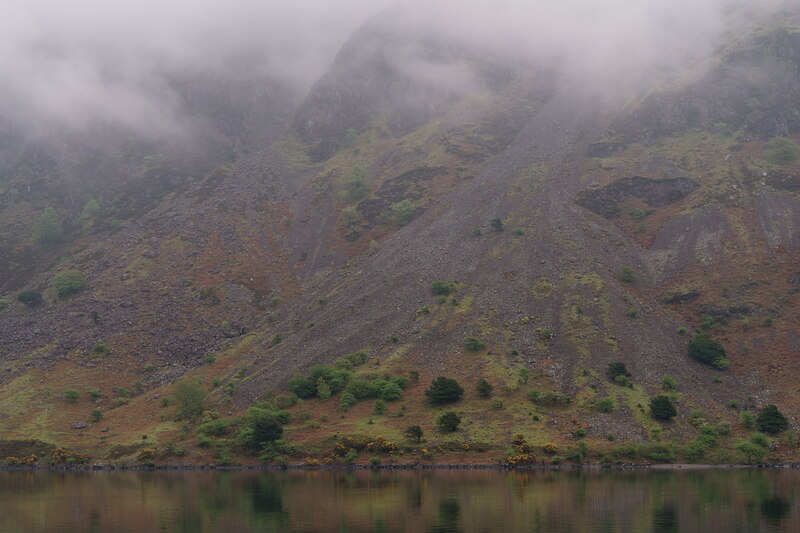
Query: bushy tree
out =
(261, 426)
(705, 349)
(68, 282)
(190, 399)
(771, 420)
(448, 421)
(444, 390)
(414, 432)
(662, 408)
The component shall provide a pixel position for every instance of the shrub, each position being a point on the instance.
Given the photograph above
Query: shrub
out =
(705, 349)
(444, 390)
(380, 407)
(616, 369)
(97, 415)
(782, 150)
(771, 420)
(549, 398)
(484, 388)
(472, 344)
(497, 224)
(752, 452)
(71, 395)
(190, 399)
(626, 275)
(3, 304)
(214, 428)
(669, 383)
(662, 408)
(605, 405)
(448, 421)
(747, 419)
(31, 297)
(68, 282)
(47, 230)
(441, 288)
(306, 386)
(94, 394)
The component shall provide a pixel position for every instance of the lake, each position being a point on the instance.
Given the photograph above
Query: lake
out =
(701, 500)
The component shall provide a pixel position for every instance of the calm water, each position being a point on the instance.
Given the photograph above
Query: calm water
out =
(429, 501)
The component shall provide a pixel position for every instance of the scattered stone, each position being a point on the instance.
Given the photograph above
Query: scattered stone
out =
(78, 425)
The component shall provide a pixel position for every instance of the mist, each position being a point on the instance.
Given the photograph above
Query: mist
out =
(72, 64)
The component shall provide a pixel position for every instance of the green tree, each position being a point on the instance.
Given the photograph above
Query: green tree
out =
(68, 282)
(771, 420)
(261, 426)
(705, 349)
(662, 408)
(448, 421)
(484, 388)
(47, 231)
(752, 452)
(414, 432)
(190, 399)
(403, 211)
(444, 390)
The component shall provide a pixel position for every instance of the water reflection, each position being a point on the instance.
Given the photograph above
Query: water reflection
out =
(425, 501)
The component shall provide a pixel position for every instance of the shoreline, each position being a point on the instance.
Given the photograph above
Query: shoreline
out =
(401, 467)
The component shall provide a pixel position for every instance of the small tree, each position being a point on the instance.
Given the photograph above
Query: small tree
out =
(484, 388)
(752, 452)
(68, 282)
(190, 399)
(662, 408)
(356, 185)
(524, 374)
(771, 420)
(414, 432)
(444, 390)
(448, 421)
(47, 231)
(705, 349)
(605, 405)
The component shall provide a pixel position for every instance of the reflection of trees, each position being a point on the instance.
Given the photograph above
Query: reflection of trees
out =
(665, 520)
(775, 509)
(449, 517)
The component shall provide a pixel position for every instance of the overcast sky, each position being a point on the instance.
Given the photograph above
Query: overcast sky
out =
(71, 61)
